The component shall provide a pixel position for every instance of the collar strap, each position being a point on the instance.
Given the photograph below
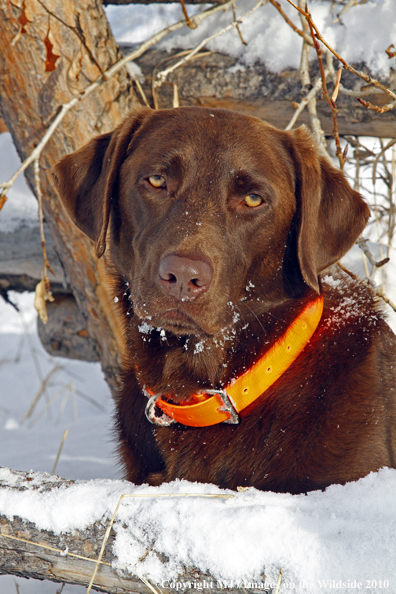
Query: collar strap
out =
(211, 407)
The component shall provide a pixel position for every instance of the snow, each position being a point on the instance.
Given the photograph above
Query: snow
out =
(20, 207)
(270, 39)
(79, 400)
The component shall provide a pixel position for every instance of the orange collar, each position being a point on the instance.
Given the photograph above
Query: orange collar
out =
(217, 406)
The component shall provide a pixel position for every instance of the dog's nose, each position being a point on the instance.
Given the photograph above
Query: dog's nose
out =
(184, 278)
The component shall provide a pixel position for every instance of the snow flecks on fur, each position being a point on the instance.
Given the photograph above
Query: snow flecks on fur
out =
(349, 310)
(145, 328)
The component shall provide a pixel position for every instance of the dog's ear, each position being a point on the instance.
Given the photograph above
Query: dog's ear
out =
(86, 179)
(330, 215)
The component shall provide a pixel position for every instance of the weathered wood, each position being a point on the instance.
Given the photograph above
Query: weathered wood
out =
(21, 262)
(217, 80)
(49, 52)
(65, 334)
(30, 561)
(33, 560)
(21, 254)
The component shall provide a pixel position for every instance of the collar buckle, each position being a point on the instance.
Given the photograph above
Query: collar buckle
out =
(165, 421)
(227, 406)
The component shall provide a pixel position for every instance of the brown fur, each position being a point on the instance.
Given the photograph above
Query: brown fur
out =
(331, 417)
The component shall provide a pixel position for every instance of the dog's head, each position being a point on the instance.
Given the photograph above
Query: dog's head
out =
(204, 208)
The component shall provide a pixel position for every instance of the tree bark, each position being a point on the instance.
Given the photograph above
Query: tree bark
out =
(49, 52)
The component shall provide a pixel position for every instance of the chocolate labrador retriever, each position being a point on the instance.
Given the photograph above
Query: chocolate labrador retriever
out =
(248, 364)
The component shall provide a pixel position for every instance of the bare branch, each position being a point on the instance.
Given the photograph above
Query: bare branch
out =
(379, 109)
(304, 102)
(362, 243)
(331, 103)
(306, 81)
(237, 27)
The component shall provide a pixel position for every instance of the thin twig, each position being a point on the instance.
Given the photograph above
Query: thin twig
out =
(306, 82)
(379, 109)
(237, 27)
(42, 390)
(41, 217)
(49, 548)
(345, 8)
(137, 83)
(381, 294)
(377, 292)
(303, 103)
(153, 76)
(330, 102)
(302, 34)
(362, 93)
(362, 243)
(278, 585)
(60, 451)
(188, 20)
(377, 158)
(145, 581)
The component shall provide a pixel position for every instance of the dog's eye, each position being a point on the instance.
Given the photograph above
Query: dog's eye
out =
(157, 181)
(252, 200)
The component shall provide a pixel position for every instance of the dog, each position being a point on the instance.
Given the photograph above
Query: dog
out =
(249, 363)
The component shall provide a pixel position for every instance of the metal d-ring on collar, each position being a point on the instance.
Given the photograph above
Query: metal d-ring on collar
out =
(164, 420)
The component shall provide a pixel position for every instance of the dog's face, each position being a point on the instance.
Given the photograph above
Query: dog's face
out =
(209, 209)
(204, 208)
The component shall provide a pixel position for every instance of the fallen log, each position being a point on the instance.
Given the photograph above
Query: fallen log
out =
(212, 79)
(71, 556)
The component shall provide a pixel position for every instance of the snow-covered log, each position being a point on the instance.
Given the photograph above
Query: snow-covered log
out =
(218, 80)
(70, 556)
(30, 552)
